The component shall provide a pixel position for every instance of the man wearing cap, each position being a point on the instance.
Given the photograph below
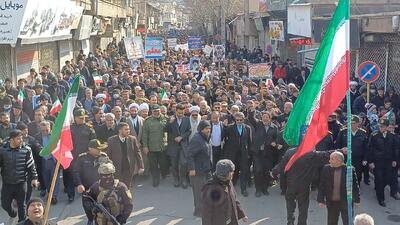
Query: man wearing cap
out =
(382, 159)
(379, 99)
(154, 141)
(17, 164)
(125, 154)
(81, 135)
(220, 205)
(34, 212)
(359, 146)
(113, 194)
(359, 103)
(198, 157)
(85, 170)
(17, 115)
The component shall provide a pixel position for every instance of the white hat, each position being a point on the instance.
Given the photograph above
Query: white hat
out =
(194, 108)
(353, 83)
(144, 106)
(101, 95)
(133, 105)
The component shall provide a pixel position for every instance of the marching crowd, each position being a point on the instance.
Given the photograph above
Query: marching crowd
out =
(153, 120)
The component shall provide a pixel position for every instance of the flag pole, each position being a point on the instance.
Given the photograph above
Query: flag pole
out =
(50, 195)
(349, 177)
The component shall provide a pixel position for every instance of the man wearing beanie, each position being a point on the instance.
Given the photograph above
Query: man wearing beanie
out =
(34, 212)
(220, 205)
(199, 162)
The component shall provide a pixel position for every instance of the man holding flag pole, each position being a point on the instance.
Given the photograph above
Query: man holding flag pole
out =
(322, 93)
(60, 143)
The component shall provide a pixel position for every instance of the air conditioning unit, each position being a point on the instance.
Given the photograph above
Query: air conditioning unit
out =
(372, 38)
(395, 23)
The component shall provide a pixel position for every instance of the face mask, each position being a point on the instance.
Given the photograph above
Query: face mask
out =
(107, 181)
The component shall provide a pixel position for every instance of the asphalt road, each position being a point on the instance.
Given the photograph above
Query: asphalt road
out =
(167, 205)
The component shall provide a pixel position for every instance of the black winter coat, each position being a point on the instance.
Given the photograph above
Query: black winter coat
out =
(198, 154)
(16, 164)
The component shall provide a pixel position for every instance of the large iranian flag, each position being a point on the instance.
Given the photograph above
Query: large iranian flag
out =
(60, 143)
(324, 89)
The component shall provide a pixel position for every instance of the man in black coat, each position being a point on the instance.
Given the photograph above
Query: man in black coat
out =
(199, 162)
(17, 115)
(334, 125)
(17, 165)
(236, 148)
(108, 129)
(297, 180)
(179, 130)
(382, 159)
(332, 191)
(265, 150)
(359, 147)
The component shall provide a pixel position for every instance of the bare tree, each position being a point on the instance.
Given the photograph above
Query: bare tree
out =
(206, 12)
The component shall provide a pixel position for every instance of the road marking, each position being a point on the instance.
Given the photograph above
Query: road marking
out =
(147, 222)
(142, 211)
(259, 221)
(173, 222)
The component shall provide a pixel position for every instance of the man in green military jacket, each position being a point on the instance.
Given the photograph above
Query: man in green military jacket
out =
(154, 140)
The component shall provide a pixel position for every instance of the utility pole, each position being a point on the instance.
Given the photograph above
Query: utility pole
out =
(223, 33)
(145, 18)
(246, 22)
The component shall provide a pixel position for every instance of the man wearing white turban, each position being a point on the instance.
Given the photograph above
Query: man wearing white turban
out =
(194, 119)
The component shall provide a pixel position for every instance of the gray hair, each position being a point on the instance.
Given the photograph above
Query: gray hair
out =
(45, 123)
(363, 219)
(109, 115)
(235, 107)
(239, 115)
(338, 155)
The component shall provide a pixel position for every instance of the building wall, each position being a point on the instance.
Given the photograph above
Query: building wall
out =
(5, 61)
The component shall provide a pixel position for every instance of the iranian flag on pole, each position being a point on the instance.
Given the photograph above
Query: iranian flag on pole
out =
(324, 89)
(60, 143)
(164, 96)
(55, 108)
(21, 97)
(98, 79)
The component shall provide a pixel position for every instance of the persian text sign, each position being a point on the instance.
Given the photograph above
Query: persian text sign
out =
(153, 48)
(260, 70)
(11, 14)
(195, 42)
(172, 42)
